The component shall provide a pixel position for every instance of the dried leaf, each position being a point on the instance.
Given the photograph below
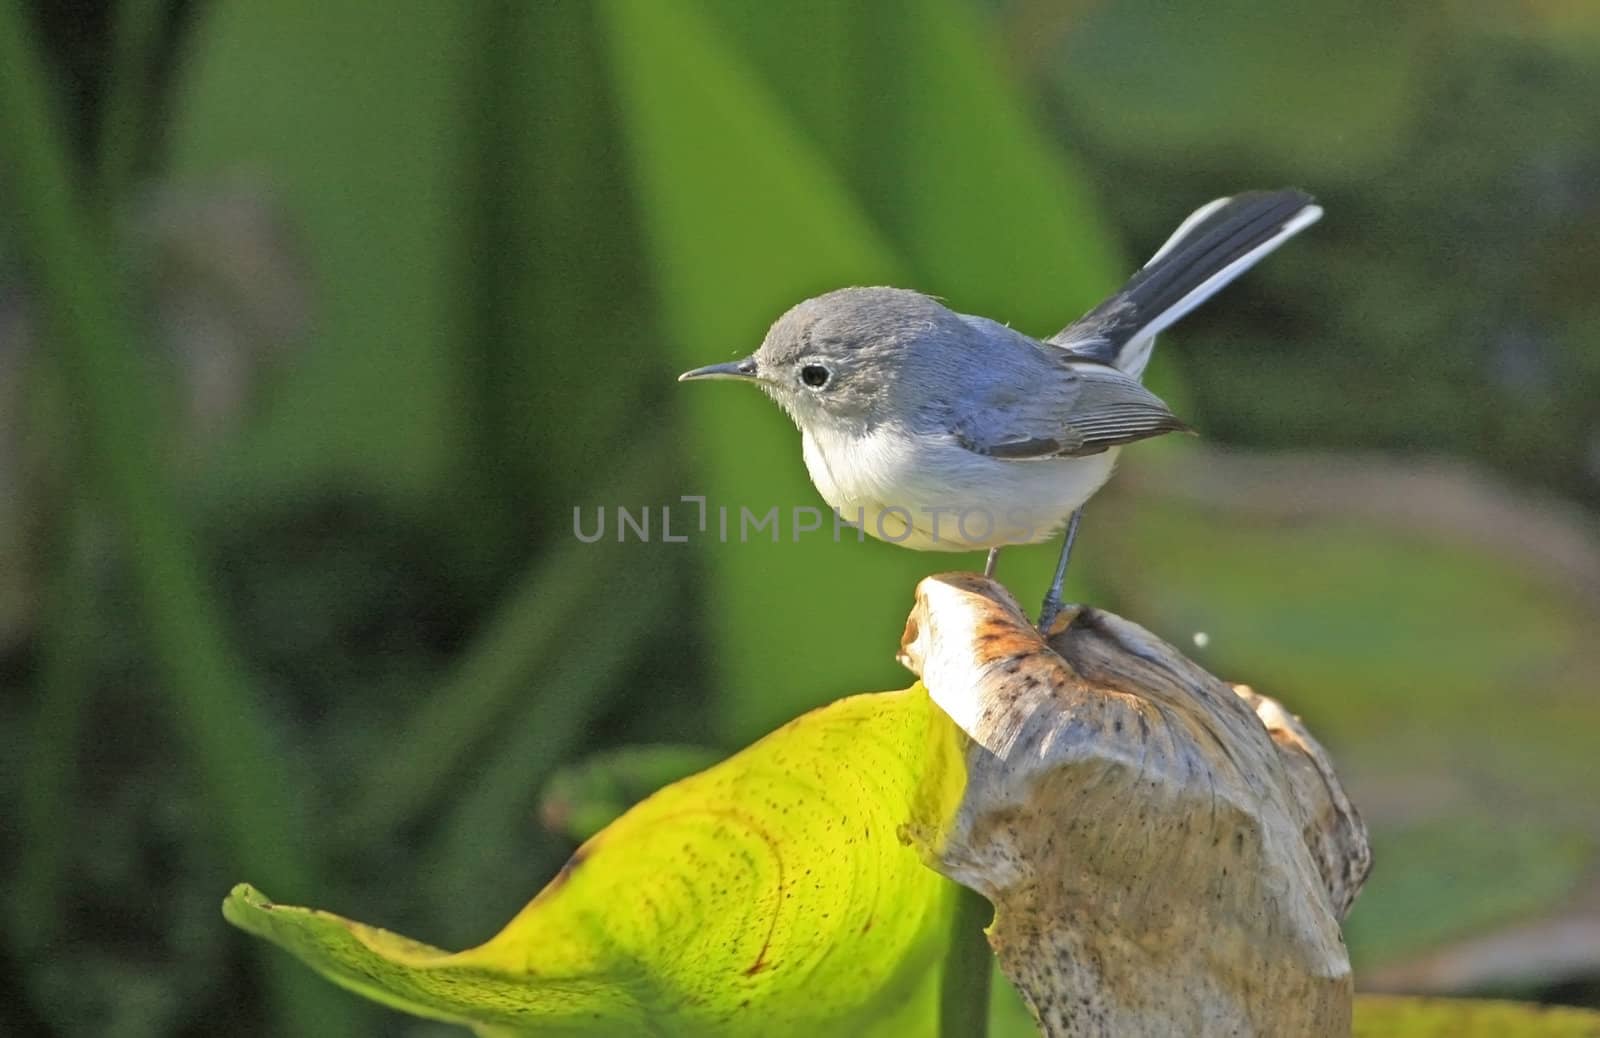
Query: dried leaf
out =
(1160, 863)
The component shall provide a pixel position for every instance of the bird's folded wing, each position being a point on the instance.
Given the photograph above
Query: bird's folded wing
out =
(1093, 409)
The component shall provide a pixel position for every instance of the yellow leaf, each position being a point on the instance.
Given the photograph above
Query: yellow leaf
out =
(768, 895)
(1386, 1017)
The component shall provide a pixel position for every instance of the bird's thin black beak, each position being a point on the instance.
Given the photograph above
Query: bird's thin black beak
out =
(740, 369)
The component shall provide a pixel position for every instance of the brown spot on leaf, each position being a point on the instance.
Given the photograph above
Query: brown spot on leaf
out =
(579, 856)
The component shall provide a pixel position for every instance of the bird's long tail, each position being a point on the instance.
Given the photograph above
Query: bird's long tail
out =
(1218, 242)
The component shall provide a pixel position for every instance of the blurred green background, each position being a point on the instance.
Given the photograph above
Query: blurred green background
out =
(318, 321)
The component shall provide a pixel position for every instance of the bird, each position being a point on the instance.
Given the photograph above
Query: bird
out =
(942, 431)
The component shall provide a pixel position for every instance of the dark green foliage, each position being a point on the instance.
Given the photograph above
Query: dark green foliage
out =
(338, 639)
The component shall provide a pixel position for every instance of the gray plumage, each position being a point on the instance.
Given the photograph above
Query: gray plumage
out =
(900, 357)
(908, 410)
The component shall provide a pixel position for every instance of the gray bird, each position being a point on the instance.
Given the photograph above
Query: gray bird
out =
(945, 432)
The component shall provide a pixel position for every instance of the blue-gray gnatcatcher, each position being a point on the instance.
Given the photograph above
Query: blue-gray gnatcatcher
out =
(945, 432)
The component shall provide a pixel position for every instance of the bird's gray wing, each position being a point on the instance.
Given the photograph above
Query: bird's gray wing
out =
(1076, 409)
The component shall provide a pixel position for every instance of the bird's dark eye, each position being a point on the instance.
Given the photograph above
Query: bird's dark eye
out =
(814, 375)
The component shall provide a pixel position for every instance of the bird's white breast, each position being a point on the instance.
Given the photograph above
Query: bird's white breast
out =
(930, 493)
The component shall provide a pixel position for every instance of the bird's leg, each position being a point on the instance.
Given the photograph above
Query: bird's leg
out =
(988, 567)
(1051, 608)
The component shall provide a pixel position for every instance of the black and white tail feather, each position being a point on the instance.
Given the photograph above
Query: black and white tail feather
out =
(1218, 242)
